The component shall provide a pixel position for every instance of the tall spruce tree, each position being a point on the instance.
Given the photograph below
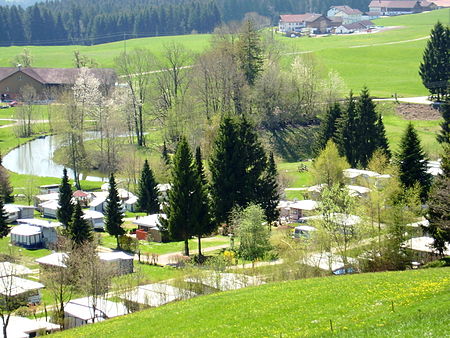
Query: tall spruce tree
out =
(250, 52)
(147, 191)
(438, 205)
(237, 165)
(113, 212)
(80, 230)
(65, 206)
(4, 227)
(269, 191)
(165, 154)
(435, 67)
(444, 134)
(382, 141)
(254, 162)
(205, 225)
(328, 126)
(227, 170)
(366, 131)
(346, 133)
(412, 162)
(184, 197)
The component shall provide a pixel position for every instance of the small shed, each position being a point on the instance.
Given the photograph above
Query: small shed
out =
(82, 197)
(121, 262)
(98, 202)
(11, 269)
(358, 191)
(154, 295)
(27, 290)
(331, 262)
(423, 248)
(54, 260)
(130, 204)
(49, 189)
(95, 218)
(149, 226)
(298, 208)
(49, 209)
(39, 199)
(87, 310)
(16, 211)
(303, 231)
(224, 281)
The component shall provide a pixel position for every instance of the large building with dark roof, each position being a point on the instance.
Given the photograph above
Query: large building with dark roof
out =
(47, 82)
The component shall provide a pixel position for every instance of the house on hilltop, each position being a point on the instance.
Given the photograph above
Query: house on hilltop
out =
(390, 8)
(315, 23)
(47, 81)
(348, 14)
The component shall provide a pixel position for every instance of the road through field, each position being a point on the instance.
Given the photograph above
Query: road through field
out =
(391, 43)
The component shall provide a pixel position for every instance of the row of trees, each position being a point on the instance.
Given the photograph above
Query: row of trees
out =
(84, 22)
(356, 128)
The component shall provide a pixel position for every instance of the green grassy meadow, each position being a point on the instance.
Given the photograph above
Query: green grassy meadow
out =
(412, 303)
(385, 69)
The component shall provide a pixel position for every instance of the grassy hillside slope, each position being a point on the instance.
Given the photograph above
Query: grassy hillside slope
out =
(358, 305)
(385, 69)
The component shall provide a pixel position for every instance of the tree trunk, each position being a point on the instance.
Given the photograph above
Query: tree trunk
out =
(5, 335)
(199, 246)
(118, 243)
(186, 247)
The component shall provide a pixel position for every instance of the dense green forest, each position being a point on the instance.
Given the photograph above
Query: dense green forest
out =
(100, 21)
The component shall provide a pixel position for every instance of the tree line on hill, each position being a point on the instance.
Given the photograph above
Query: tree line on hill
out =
(87, 22)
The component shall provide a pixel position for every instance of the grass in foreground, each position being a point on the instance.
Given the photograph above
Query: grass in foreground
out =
(357, 305)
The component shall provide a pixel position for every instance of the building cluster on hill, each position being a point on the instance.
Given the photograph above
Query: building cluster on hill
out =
(345, 20)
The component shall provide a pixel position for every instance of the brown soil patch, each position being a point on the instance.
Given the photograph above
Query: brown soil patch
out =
(410, 111)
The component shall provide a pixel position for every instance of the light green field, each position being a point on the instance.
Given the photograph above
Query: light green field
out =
(385, 69)
(62, 56)
(357, 305)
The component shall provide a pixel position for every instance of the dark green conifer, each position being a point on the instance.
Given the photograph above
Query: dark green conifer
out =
(113, 212)
(328, 126)
(184, 197)
(147, 191)
(412, 162)
(270, 193)
(444, 134)
(435, 67)
(4, 227)
(80, 230)
(65, 206)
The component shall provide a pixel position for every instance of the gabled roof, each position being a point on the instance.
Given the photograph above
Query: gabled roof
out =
(307, 17)
(59, 76)
(13, 286)
(393, 4)
(348, 10)
(83, 308)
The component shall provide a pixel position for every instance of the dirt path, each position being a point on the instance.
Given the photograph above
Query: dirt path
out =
(390, 43)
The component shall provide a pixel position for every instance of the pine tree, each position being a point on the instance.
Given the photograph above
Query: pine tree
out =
(435, 67)
(165, 154)
(80, 230)
(412, 162)
(438, 205)
(65, 206)
(147, 191)
(113, 213)
(346, 134)
(254, 162)
(328, 126)
(6, 190)
(269, 191)
(250, 52)
(227, 170)
(382, 141)
(4, 227)
(204, 225)
(366, 135)
(184, 197)
(444, 135)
